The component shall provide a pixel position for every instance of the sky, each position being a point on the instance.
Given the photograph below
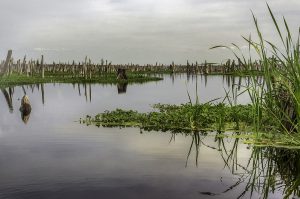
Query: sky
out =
(136, 31)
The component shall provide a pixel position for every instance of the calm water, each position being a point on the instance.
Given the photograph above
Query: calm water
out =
(50, 155)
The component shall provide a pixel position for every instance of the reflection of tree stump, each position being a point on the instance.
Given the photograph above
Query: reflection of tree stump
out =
(121, 74)
(122, 88)
(25, 109)
(8, 98)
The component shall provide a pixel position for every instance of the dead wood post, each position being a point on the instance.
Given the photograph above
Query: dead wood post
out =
(85, 68)
(6, 63)
(10, 66)
(43, 67)
(90, 69)
(24, 64)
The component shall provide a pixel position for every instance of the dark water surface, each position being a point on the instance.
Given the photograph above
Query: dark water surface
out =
(50, 155)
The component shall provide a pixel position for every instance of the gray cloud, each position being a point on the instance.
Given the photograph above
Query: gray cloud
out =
(133, 30)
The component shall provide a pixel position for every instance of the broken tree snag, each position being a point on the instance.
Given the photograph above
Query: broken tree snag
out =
(25, 108)
(6, 63)
(85, 68)
(121, 74)
(172, 67)
(23, 65)
(28, 68)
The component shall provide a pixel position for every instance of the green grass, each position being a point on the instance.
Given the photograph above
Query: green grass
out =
(279, 94)
(15, 79)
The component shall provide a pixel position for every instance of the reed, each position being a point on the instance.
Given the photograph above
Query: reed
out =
(278, 94)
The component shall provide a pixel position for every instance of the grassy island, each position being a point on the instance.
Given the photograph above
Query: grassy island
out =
(111, 78)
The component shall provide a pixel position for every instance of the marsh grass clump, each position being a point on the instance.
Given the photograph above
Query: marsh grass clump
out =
(278, 95)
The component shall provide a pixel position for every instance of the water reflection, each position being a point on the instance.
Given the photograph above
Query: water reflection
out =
(196, 141)
(122, 87)
(238, 83)
(274, 169)
(43, 93)
(8, 97)
(267, 173)
(86, 89)
(8, 93)
(53, 155)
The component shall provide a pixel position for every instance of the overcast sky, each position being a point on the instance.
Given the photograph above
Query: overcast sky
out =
(139, 31)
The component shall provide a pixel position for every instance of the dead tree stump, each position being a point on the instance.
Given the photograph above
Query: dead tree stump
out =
(25, 109)
(121, 74)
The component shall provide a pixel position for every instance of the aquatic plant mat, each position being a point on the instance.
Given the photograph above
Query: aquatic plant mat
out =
(189, 118)
(110, 78)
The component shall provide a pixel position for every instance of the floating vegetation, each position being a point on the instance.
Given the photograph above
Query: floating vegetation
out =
(187, 118)
(178, 118)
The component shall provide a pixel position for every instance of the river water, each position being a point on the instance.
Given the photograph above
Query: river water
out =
(48, 154)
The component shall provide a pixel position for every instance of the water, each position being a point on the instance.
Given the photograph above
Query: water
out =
(50, 155)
